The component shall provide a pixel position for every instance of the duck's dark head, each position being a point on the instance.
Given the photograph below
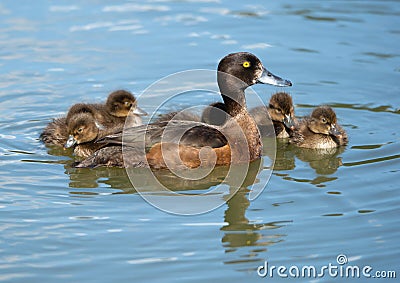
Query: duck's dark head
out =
(281, 109)
(236, 72)
(323, 121)
(249, 69)
(122, 103)
(82, 128)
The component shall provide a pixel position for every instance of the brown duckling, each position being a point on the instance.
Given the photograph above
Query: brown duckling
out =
(281, 111)
(320, 130)
(199, 141)
(83, 130)
(55, 133)
(119, 105)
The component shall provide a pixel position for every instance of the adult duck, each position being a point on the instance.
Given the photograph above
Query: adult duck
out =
(191, 144)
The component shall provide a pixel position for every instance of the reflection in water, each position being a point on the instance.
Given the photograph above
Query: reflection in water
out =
(323, 161)
(241, 232)
(164, 189)
(284, 158)
(116, 178)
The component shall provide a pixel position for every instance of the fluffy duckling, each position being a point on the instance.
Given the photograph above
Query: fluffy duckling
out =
(119, 105)
(55, 133)
(83, 130)
(281, 112)
(320, 130)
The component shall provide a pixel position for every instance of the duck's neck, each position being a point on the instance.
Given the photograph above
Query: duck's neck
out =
(232, 92)
(236, 107)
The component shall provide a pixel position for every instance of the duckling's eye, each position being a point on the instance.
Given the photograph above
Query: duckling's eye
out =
(80, 130)
(246, 64)
(278, 110)
(323, 120)
(127, 103)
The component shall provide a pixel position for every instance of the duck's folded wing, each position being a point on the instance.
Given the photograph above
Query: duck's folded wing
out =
(184, 132)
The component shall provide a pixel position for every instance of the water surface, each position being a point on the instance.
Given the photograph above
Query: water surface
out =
(69, 225)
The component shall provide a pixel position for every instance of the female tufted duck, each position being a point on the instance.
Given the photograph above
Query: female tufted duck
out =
(236, 141)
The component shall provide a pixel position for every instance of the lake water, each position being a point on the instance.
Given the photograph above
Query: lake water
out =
(60, 224)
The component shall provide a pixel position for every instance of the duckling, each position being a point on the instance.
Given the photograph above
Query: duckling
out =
(55, 133)
(236, 72)
(83, 130)
(119, 105)
(281, 111)
(320, 130)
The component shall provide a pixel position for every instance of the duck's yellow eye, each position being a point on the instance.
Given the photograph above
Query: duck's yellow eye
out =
(246, 64)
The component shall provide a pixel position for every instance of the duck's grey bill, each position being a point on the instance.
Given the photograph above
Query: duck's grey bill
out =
(268, 78)
(70, 142)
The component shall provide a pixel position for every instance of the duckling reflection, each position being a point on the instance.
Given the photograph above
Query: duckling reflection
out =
(284, 155)
(115, 178)
(323, 161)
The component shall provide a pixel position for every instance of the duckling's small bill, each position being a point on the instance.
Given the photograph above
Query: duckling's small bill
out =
(70, 142)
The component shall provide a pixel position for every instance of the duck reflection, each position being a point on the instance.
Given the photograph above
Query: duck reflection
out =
(240, 233)
(149, 181)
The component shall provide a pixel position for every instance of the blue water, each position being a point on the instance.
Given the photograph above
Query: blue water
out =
(60, 224)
